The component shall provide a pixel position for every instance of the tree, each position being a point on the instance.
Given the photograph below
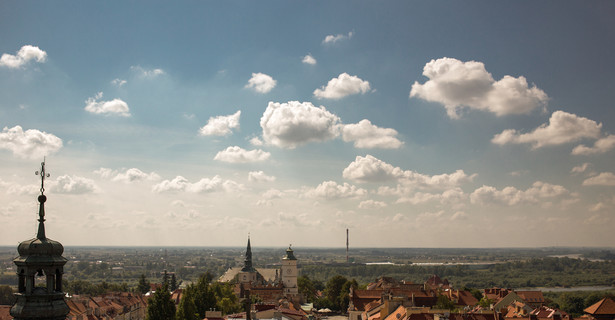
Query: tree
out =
(333, 292)
(160, 306)
(306, 288)
(204, 298)
(187, 309)
(444, 303)
(165, 278)
(144, 285)
(174, 285)
(344, 298)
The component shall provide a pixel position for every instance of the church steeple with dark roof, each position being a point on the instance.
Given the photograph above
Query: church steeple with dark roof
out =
(247, 262)
(40, 257)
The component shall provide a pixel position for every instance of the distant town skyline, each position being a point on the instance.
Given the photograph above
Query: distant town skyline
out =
(411, 124)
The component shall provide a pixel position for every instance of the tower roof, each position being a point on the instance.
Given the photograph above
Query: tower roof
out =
(247, 262)
(289, 254)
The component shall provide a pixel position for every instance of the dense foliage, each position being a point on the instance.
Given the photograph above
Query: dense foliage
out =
(574, 302)
(160, 306)
(535, 272)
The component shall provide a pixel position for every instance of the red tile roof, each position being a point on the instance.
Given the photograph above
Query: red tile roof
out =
(602, 307)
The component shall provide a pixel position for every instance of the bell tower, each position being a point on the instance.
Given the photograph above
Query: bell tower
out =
(289, 274)
(40, 267)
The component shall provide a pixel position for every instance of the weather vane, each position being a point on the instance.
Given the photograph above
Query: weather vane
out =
(43, 175)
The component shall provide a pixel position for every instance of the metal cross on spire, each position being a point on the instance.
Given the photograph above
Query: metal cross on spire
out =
(43, 175)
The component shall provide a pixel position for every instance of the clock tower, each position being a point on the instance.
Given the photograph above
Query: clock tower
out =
(289, 274)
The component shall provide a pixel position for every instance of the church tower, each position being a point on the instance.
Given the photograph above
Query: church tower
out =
(40, 260)
(247, 273)
(289, 274)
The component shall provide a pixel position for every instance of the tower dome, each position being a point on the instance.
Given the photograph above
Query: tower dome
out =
(40, 257)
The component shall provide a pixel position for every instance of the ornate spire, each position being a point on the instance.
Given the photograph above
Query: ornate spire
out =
(41, 199)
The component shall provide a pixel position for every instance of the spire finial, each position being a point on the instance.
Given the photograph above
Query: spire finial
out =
(43, 175)
(41, 199)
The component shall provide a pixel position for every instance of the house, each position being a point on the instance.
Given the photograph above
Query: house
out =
(602, 310)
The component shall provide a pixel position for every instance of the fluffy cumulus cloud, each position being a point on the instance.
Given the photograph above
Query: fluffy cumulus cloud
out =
(261, 83)
(331, 190)
(113, 107)
(26, 54)
(238, 155)
(603, 179)
(308, 59)
(342, 86)
(372, 169)
(601, 145)
(128, 176)
(29, 144)
(259, 176)
(331, 39)
(73, 185)
(221, 125)
(371, 204)
(205, 185)
(457, 85)
(288, 125)
(366, 135)
(563, 127)
(539, 191)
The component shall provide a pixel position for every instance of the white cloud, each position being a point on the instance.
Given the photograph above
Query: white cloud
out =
(342, 86)
(115, 106)
(603, 179)
(459, 215)
(261, 83)
(147, 73)
(272, 194)
(366, 135)
(134, 174)
(221, 125)
(26, 54)
(331, 39)
(563, 127)
(29, 144)
(73, 185)
(330, 190)
(238, 155)
(457, 84)
(371, 205)
(205, 185)
(601, 145)
(580, 169)
(454, 195)
(513, 196)
(118, 82)
(288, 125)
(308, 59)
(259, 176)
(371, 169)
(255, 141)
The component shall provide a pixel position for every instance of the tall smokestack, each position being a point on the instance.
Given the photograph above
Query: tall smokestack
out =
(346, 245)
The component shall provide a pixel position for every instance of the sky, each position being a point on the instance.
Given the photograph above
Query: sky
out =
(410, 123)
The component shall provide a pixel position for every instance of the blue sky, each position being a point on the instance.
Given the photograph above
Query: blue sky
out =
(413, 124)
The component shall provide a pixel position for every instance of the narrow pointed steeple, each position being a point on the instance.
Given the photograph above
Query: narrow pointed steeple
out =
(247, 262)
